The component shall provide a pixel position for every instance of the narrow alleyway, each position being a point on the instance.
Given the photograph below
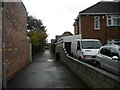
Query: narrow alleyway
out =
(45, 72)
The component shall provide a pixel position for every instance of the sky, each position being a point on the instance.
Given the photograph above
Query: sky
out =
(57, 15)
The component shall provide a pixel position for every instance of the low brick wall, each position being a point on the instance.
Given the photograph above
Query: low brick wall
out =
(92, 76)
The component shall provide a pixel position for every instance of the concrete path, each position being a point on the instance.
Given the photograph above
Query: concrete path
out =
(45, 72)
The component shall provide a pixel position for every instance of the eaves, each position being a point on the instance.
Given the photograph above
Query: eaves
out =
(82, 14)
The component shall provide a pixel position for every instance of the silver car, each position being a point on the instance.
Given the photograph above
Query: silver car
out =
(108, 58)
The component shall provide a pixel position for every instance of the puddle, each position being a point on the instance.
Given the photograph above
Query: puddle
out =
(50, 60)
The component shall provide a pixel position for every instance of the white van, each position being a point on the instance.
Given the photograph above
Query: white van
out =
(68, 38)
(65, 43)
(85, 49)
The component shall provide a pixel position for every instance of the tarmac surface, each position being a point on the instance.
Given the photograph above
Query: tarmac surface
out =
(45, 72)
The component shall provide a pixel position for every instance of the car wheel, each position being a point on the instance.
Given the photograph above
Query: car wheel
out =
(80, 58)
(57, 56)
(71, 54)
(98, 65)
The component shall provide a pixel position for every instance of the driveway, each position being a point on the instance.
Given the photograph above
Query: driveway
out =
(45, 72)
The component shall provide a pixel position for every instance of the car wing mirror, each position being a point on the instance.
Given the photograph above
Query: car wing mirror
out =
(115, 58)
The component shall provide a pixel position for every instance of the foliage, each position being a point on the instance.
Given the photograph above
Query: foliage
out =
(35, 24)
(37, 31)
(37, 38)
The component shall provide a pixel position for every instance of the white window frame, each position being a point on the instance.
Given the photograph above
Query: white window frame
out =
(97, 23)
(111, 20)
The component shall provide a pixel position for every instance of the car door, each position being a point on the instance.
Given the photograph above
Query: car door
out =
(74, 48)
(104, 57)
(113, 64)
(78, 51)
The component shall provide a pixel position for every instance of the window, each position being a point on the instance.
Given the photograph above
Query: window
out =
(2, 4)
(91, 44)
(105, 51)
(96, 23)
(108, 51)
(113, 20)
(114, 52)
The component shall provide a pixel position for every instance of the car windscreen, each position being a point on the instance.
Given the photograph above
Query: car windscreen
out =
(117, 43)
(91, 44)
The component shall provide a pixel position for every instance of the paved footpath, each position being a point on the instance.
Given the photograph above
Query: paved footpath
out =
(45, 72)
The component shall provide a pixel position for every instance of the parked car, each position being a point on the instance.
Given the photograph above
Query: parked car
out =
(108, 58)
(85, 49)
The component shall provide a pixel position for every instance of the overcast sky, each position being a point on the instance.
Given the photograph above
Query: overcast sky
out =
(57, 15)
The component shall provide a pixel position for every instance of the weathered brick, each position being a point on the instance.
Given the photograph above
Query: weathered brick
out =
(16, 54)
(105, 32)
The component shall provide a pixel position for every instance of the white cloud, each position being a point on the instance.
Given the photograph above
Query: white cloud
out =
(57, 15)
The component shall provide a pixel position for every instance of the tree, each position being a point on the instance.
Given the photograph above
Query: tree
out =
(35, 24)
(37, 31)
(37, 38)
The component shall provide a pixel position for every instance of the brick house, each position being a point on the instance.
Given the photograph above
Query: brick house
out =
(15, 42)
(100, 21)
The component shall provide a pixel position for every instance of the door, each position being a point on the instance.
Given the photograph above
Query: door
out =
(113, 64)
(104, 57)
(73, 48)
(78, 51)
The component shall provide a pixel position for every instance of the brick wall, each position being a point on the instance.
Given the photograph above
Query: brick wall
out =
(0, 45)
(76, 27)
(105, 33)
(92, 76)
(87, 23)
(113, 32)
(16, 53)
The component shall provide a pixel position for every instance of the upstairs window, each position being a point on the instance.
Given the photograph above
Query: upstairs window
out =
(113, 20)
(96, 23)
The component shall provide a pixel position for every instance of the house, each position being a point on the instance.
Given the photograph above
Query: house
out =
(16, 54)
(67, 33)
(100, 21)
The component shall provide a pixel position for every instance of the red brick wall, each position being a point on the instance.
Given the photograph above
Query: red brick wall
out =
(76, 27)
(113, 32)
(105, 33)
(16, 54)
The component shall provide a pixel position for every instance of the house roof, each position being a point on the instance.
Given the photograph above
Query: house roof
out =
(103, 7)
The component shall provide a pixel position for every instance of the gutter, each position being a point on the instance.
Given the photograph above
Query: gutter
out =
(80, 14)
